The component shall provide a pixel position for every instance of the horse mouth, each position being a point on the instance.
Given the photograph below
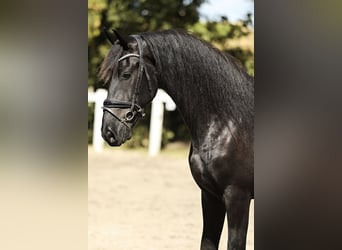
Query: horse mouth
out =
(113, 143)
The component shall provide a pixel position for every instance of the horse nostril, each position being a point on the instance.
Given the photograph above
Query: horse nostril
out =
(110, 135)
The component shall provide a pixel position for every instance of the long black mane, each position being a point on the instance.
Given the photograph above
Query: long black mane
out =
(197, 68)
(224, 86)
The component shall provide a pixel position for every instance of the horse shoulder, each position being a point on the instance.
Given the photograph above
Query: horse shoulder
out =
(219, 162)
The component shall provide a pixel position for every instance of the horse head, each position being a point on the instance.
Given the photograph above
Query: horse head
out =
(132, 83)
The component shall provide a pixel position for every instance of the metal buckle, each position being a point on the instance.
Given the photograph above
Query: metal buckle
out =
(129, 116)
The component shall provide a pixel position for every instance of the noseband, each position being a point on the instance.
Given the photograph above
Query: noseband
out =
(134, 109)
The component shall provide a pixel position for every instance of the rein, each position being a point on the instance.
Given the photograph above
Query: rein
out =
(134, 109)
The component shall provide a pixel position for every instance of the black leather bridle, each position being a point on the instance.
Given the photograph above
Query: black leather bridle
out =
(135, 110)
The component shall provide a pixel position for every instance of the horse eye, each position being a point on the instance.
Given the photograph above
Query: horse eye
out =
(126, 75)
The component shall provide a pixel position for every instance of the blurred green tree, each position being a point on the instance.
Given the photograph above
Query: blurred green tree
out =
(233, 38)
(131, 17)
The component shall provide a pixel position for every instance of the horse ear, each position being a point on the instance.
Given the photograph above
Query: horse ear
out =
(109, 36)
(122, 41)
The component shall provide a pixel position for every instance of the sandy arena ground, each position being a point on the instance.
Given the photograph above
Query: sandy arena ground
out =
(136, 202)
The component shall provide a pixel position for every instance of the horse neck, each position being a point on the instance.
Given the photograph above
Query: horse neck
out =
(195, 107)
(206, 86)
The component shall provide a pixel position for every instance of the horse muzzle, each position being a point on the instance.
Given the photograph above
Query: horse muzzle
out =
(114, 138)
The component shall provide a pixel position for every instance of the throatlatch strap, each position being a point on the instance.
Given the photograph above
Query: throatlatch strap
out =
(140, 70)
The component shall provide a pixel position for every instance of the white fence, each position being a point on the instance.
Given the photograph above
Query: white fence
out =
(156, 122)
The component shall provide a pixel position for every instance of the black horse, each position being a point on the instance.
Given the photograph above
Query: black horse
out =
(216, 99)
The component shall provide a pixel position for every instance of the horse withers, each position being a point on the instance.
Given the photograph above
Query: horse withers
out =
(215, 97)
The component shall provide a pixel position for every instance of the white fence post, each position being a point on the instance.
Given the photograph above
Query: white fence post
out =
(98, 97)
(156, 122)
